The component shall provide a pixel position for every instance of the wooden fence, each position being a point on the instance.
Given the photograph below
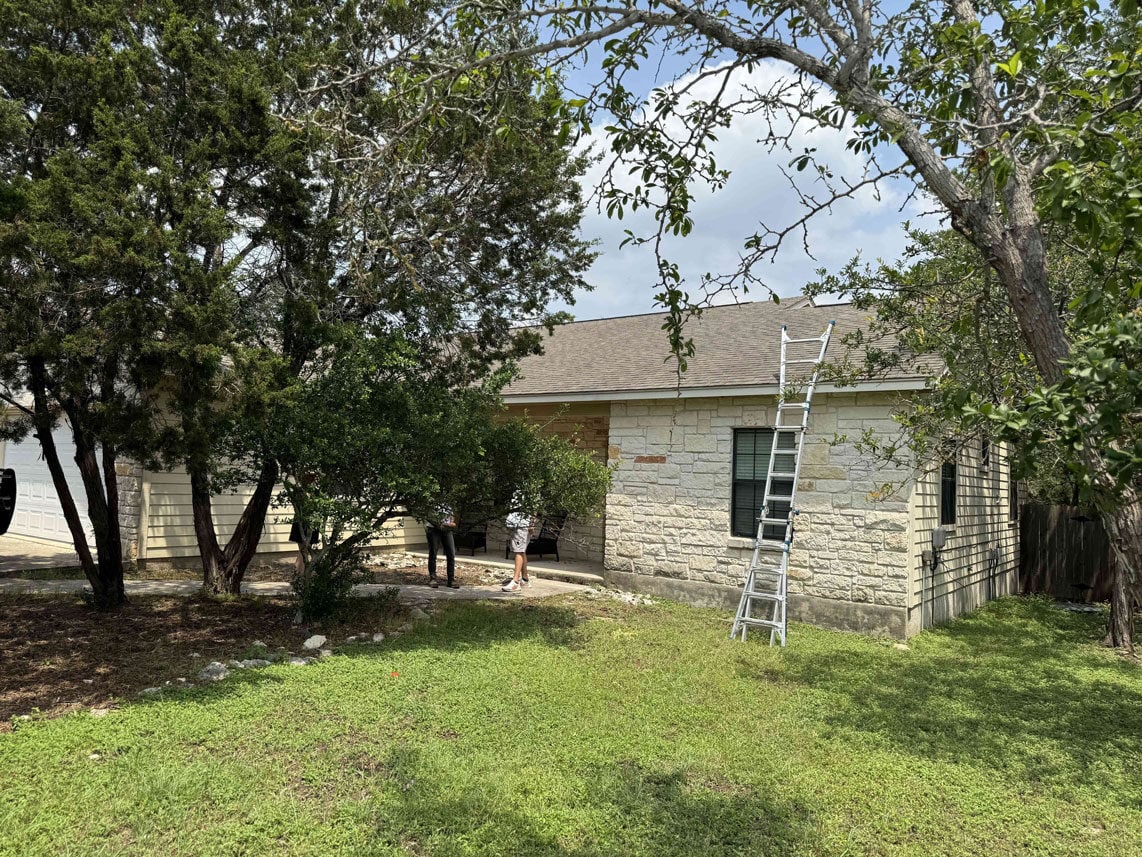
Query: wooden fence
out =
(1064, 552)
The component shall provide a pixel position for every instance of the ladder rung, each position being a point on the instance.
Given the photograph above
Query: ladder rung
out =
(773, 520)
(768, 596)
(782, 473)
(802, 360)
(767, 623)
(791, 405)
(810, 339)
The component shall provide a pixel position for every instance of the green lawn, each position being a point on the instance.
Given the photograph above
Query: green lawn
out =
(571, 727)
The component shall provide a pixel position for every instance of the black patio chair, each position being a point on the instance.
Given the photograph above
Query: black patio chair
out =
(546, 540)
(471, 537)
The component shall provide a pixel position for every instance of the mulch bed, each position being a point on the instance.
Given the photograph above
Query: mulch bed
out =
(58, 655)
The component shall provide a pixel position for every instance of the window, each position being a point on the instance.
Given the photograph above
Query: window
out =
(1012, 492)
(985, 455)
(752, 448)
(948, 492)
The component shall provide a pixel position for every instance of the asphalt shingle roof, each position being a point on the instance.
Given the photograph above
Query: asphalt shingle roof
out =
(735, 346)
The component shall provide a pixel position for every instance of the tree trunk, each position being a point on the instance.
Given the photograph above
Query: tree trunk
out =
(107, 588)
(1012, 242)
(1124, 526)
(44, 421)
(224, 569)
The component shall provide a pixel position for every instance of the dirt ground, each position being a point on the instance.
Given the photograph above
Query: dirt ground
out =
(59, 655)
(466, 574)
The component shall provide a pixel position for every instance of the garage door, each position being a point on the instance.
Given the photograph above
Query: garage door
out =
(38, 510)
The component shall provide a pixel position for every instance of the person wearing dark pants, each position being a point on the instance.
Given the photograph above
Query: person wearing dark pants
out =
(440, 539)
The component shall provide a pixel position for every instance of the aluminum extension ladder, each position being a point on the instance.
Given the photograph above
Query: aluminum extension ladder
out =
(767, 581)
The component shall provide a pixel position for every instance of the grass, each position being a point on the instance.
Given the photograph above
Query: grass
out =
(575, 728)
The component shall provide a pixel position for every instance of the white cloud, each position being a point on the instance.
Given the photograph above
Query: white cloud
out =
(625, 278)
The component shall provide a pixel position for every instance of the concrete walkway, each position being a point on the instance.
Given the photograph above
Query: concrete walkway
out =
(538, 589)
(570, 570)
(20, 552)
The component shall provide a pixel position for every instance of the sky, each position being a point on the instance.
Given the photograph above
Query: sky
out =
(624, 279)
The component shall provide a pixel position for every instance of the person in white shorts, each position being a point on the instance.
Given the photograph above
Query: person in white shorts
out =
(519, 527)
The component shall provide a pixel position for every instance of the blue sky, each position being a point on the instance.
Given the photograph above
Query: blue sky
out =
(624, 278)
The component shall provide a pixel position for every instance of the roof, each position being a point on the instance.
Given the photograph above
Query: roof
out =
(737, 352)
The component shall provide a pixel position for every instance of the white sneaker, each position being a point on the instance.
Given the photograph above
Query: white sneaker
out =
(511, 586)
(525, 581)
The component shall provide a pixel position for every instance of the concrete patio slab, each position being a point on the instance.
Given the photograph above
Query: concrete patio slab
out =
(569, 570)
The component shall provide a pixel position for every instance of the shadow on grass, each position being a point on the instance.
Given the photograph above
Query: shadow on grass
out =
(474, 625)
(1016, 686)
(629, 808)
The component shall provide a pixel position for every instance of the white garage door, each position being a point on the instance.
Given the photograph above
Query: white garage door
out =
(38, 510)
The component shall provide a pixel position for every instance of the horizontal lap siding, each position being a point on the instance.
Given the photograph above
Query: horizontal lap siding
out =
(169, 522)
(965, 578)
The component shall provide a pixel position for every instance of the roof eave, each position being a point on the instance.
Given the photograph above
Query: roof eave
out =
(881, 386)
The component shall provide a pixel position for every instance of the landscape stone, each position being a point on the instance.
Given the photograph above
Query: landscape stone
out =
(214, 671)
(314, 642)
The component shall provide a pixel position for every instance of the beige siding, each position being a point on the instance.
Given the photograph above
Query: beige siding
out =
(980, 559)
(168, 524)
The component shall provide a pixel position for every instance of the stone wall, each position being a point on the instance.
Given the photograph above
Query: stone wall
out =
(130, 478)
(668, 514)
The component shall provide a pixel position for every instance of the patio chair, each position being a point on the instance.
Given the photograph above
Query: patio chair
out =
(546, 540)
(471, 537)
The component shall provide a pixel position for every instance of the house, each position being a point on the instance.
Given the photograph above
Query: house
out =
(155, 514)
(691, 454)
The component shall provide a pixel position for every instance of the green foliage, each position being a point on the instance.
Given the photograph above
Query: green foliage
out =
(188, 227)
(368, 435)
(1098, 401)
(939, 312)
(324, 584)
(1009, 732)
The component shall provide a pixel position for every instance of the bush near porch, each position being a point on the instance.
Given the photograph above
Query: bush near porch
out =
(587, 727)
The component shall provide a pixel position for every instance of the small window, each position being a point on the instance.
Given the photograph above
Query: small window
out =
(752, 448)
(985, 455)
(1012, 493)
(948, 492)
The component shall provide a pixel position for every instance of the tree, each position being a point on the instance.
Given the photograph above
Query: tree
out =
(370, 435)
(452, 227)
(940, 302)
(82, 280)
(183, 236)
(1009, 115)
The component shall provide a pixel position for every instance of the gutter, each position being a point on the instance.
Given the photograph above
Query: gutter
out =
(707, 392)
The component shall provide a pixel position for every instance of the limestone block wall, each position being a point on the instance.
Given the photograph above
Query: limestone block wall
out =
(129, 476)
(668, 514)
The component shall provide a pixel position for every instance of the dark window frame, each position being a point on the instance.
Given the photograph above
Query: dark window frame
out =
(948, 492)
(1012, 492)
(751, 492)
(985, 455)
